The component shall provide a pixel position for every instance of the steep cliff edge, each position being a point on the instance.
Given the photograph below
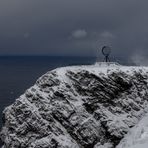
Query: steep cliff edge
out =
(77, 107)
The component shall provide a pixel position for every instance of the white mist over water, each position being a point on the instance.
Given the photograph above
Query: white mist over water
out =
(140, 59)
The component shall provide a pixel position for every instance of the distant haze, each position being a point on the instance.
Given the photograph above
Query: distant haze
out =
(73, 27)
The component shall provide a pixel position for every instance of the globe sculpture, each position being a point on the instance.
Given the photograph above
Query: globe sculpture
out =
(106, 51)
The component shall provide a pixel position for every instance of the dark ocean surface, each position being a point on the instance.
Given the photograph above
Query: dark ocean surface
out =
(18, 73)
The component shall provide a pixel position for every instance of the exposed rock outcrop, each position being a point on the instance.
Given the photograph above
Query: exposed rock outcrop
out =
(77, 107)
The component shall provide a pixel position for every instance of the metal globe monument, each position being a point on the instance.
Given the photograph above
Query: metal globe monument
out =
(106, 51)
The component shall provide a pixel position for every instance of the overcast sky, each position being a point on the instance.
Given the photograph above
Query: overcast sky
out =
(73, 27)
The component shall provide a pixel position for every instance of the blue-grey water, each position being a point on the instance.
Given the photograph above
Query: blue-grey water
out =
(17, 73)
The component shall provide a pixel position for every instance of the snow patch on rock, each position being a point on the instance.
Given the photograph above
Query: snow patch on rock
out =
(137, 137)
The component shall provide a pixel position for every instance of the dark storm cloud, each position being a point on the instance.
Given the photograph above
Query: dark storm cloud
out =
(73, 27)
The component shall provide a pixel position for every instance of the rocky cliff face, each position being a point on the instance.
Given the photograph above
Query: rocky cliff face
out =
(77, 107)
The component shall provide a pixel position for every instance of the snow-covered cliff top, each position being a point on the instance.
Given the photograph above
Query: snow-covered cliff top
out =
(78, 107)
